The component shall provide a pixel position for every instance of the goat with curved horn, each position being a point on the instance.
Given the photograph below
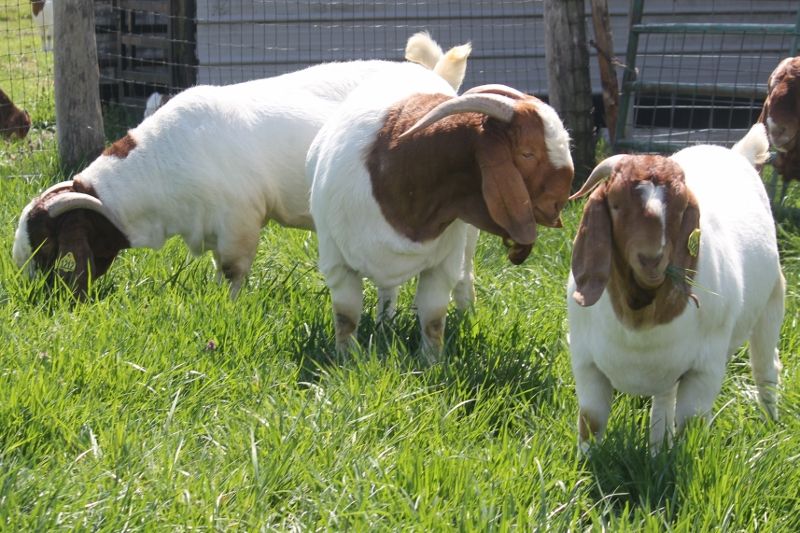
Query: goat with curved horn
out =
(601, 171)
(69, 201)
(493, 105)
(497, 88)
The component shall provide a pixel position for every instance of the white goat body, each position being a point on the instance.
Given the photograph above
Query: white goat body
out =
(740, 288)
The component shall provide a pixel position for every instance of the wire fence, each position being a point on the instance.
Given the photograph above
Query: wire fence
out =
(700, 75)
(693, 86)
(26, 79)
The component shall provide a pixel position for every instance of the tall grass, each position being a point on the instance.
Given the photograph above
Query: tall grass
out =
(159, 404)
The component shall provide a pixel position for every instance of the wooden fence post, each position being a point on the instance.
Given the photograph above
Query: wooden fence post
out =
(568, 81)
(605, 58)
(79, 119)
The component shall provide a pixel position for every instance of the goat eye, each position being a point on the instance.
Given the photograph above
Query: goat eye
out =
(528, 155)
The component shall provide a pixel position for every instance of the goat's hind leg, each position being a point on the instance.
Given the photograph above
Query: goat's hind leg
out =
(235, 257)
(464, 291)
(764, 361)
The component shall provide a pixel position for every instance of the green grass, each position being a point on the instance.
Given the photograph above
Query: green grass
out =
(159, 404)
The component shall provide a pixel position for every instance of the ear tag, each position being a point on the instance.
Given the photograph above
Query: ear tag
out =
(66, 263)
(694, 242)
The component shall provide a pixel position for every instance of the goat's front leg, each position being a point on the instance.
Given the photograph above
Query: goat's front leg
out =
(234, 257)
(594, 392)
(347, 296)
(387, 304)
(696, 393)
(662, 419)
(432, 299)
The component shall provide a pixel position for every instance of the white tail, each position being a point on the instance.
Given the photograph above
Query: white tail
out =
(755, 145)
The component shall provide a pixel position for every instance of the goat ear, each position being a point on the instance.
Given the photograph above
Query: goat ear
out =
(504, 190)
(77, 244)
(591, 253)
(682, 257)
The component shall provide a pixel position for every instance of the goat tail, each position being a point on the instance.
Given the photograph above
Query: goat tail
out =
(755, 145)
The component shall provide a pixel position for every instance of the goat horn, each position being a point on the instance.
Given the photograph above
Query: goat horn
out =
(493, 105)
(600, 172)
(69, 201)
(56, 187)
(497, 88)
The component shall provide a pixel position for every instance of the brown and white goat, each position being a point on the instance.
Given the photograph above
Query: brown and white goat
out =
(14, 122)
(403, 168)
(657, 230)
(781, 116)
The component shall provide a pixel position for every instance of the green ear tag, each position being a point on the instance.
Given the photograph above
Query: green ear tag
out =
(66, 263)
(694, 242)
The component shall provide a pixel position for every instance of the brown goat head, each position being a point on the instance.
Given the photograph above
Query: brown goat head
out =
(66, 232)
(522, 154)
(14, 122)
(635, 226)
(781, 111)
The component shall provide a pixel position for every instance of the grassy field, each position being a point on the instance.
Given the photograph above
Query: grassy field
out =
(159, 404)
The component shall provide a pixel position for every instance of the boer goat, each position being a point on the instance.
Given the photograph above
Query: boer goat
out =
(213, 166)
(657, 230)
(14, 122)
(402, 169)
(781, 116)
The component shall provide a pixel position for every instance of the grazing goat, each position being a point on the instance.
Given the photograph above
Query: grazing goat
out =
(404, 166)
(14, 122)
(42, 11)
(658, 227)
(213, 166)
(781, 116)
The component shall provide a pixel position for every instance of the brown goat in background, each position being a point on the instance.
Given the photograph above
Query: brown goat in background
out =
(781, 116)
(13, 121)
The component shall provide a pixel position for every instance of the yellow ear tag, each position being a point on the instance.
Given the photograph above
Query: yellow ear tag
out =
(66, 263)
(694, 242)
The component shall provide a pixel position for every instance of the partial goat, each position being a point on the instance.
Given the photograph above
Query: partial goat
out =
(213, 166)
(42, 12)
(14, 122)
(781, 116)
(404, 166)
(675, 266)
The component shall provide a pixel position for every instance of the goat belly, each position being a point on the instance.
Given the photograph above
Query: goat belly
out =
(393, 259)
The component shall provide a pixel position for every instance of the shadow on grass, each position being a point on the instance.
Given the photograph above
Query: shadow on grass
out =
(628, 476)
(474, 365)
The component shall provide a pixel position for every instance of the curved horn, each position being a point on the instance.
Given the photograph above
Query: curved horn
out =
(497, 88)
(69, 201)
(493, 105)
(56, 187)
(600, 172)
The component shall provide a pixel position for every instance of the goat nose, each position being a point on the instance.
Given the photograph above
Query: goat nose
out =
(650, 261)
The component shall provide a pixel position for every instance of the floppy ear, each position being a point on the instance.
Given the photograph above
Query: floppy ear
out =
(504, 190)
(681, 256)
(591, 253)
(77, 244)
